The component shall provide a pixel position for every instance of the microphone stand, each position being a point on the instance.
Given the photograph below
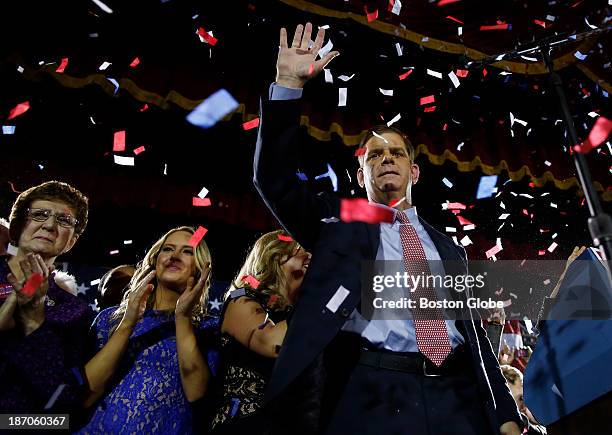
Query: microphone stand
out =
(599, 223)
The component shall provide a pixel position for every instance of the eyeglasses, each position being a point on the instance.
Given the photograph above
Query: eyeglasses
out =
(42, 214)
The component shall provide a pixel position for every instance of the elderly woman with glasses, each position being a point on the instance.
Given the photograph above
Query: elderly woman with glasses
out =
(43, 326)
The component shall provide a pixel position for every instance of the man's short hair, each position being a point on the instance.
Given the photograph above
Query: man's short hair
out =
(379, 130)
(48, 191)
(511, 373)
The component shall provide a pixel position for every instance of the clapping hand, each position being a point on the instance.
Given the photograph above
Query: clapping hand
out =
(137, 301)
(192, 294)
(297, 64)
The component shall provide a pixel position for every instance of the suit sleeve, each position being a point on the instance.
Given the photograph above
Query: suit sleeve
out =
(505, 406)
(295, 206)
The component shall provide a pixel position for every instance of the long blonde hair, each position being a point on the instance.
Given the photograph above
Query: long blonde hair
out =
(202, 257)
(264, 263)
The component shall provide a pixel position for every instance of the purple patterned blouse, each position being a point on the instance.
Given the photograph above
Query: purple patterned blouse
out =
(44, 370)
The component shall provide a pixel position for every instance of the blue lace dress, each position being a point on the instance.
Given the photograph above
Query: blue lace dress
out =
(146, 395)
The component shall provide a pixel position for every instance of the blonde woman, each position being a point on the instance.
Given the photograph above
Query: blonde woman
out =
(149, 367)
(253, 326)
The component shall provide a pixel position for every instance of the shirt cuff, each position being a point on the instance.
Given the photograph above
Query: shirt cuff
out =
(278, 92)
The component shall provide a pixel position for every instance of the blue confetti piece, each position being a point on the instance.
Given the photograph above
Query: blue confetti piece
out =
(605, 94)
(8, 129)
(486, 186)
(213, 109)
(115, 83)
(301, 176)
(332, 176)
(237, 293)
(235, 404)
(579, 55)
(77, 374)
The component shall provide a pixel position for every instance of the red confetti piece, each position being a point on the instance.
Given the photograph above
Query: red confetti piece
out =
(394, 201)
(360, 151)
(206, 37)
(143, 108)
(406, 74)
(285, 238)
(464, 221)
(446, 2)
(456, 206)
(541, 252)
(484, 72)
(272, 300)
(430, 109)
(372, 16)
(253, 123)
(197, 236)
(60, 69)
(531, 184)
(360, 210)
(33, 282)
(250, 280)
(450, 17)
(503, 26)
(445, 127)
(119, 141)
(427, 100)
(140, 149)
(462, 73)
(135, 62)
(19, 109)
(540, 23)
(599, 133)
(525, 212)
(200, 202)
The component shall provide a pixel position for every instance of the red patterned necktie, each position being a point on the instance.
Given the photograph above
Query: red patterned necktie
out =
(430, 327)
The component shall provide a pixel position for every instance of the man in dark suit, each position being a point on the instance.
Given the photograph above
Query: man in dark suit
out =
(425, 375)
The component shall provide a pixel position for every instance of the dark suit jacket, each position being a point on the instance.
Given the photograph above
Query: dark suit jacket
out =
(338, 250)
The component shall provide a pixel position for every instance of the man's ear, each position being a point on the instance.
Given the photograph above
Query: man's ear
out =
(360, 177)
(71, 243)
(415, 172)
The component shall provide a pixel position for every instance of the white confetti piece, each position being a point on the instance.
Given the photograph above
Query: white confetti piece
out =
(394, 120)
(453, 77)
(547, 163)
(398, 48)
(103, 6)
(341, 97)
(123, 161)
(504, 216)
(328, 76)
(447, 182)
(397, 7)
(336, 300)
(433, 73)
(8, 129)
(326, 48)
(593, 114)
(95, 282)
(11, 250)
(469, 227)
(466, 241)
(203, 192)
(104, 66)
(114, 252)
(127, 242)
(451, 229)
(346, 78)
(552, 247)
(387, 92)
(20, 69)
(459, 31)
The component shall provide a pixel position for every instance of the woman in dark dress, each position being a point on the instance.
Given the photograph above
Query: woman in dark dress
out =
(253, 326)
(43, 325)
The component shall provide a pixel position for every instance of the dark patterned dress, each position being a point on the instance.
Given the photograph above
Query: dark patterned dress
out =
(242, 377)
(146, 395)
(45, 368)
